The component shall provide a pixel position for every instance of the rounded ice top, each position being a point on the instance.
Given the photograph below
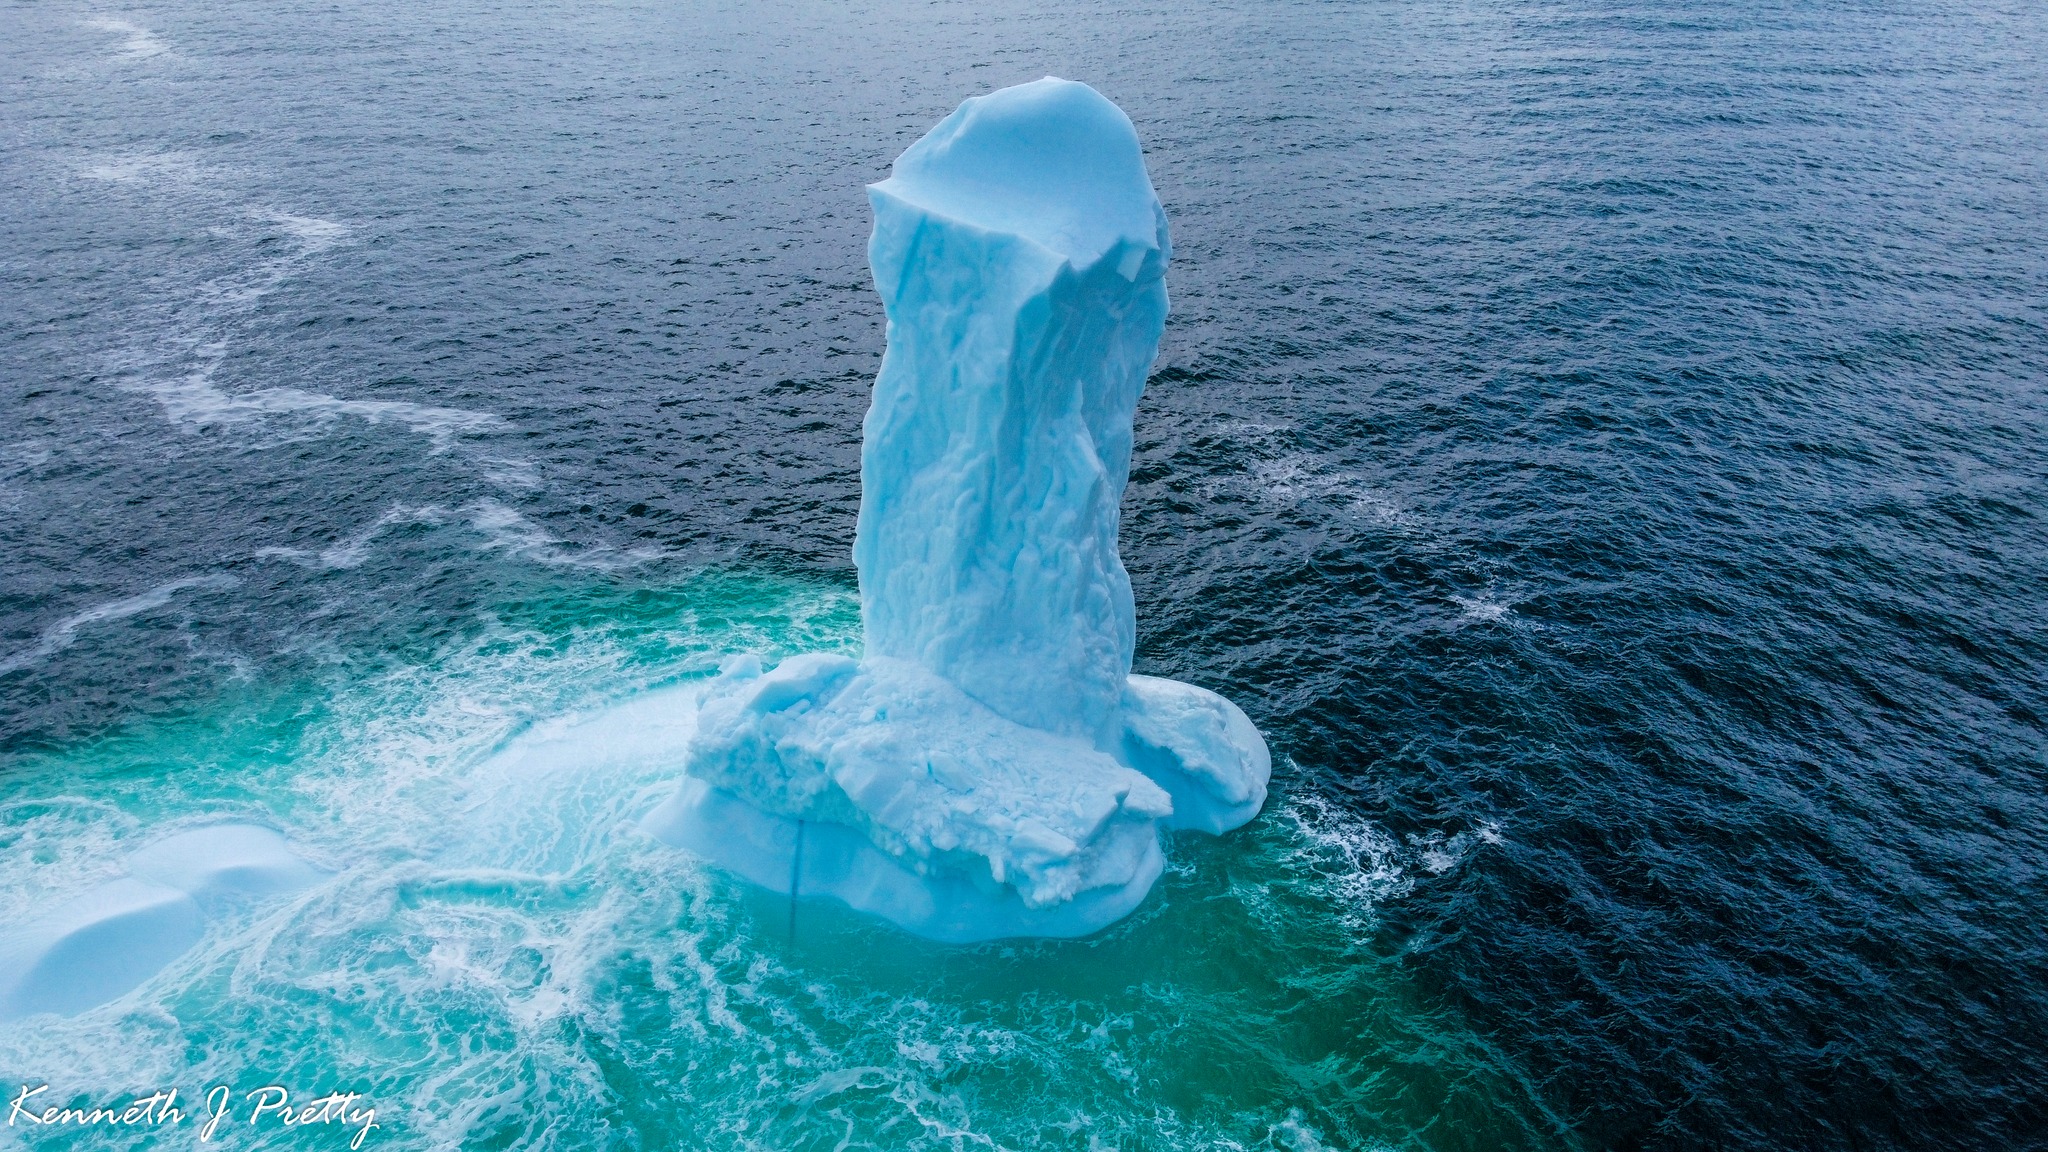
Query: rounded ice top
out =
(1052, 161)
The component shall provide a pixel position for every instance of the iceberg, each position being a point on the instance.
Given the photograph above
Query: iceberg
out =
(990, 767)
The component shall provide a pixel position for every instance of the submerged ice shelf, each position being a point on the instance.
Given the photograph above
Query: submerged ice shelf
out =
(990, 767)
(103, 942)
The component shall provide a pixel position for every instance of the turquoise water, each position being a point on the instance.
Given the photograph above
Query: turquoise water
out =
(619, 995)
(1599, 442)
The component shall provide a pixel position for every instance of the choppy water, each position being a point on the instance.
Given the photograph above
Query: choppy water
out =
(1600, 444)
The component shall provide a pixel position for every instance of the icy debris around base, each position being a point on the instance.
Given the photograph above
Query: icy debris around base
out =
(822, 859)
(991, 767)
(919, 804)
(99, 945)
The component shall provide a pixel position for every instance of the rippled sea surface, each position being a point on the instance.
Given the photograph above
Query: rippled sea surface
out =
(1601, 444)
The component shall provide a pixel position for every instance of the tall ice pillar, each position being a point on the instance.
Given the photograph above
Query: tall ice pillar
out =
(989, 767)
(1021, 257)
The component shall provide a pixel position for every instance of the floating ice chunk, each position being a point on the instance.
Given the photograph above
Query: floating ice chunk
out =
(96, 947)
(224, 861)
(990, 767)
(99, 945)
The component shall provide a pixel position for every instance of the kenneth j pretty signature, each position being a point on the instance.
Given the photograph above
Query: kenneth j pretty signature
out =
(268, 1106)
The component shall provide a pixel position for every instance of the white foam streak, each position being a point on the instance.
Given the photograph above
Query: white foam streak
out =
(174, 169)
(179, 364)
(1361, 865)
(1276, 474)
(1295, 477)
(138, 43)
(17, 461)
(500, 528)
(1438, 853)
(194, 400)
(315, 234)
(64, 633)
(1483, 608)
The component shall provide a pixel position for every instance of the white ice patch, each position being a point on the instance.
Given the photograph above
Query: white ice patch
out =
(222, 862)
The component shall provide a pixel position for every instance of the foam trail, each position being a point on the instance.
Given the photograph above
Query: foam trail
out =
(180, 365)
(196, 401)
(64, 633)
(502, 529)
(139, 43)
(193, 397)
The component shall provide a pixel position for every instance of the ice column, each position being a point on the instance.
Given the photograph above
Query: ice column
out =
(1021, 254)
(990, 767)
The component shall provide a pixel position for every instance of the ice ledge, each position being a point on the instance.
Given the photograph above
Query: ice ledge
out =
(914, 802)
(808, 858)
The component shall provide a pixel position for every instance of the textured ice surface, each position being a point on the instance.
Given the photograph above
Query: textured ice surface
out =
(95, 946)
(1020, 253)
(990, 767)
(930, 775)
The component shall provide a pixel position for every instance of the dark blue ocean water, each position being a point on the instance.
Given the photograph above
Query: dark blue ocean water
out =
(1601, 445)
